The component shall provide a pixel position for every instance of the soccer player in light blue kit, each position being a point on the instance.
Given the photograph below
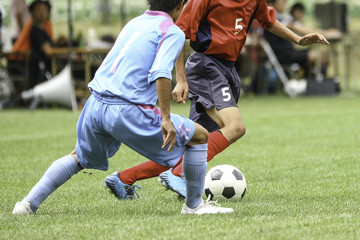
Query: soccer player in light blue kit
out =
(132, 78)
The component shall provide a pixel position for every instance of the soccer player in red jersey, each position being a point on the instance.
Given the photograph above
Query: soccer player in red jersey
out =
(217, 30)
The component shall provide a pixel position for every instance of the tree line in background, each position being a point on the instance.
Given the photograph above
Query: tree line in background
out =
(111, 11)
(104, 11)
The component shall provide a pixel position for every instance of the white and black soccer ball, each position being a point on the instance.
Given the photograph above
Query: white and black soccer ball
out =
(225, 182)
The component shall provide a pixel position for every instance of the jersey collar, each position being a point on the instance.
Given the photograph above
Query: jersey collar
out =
(158, 13)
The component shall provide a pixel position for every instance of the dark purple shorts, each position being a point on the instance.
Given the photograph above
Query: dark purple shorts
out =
(213, 82)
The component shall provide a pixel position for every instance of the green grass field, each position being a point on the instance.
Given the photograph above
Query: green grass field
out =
(301, 159)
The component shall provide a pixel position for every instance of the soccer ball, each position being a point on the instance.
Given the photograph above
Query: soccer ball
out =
(225, 182)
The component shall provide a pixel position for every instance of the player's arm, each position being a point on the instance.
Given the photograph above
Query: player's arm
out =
(301, 29)
(181, 90)
(304, 29)
(284, 32)
(188, 22)
(163, 88)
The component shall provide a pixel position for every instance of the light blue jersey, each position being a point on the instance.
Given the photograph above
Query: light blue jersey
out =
(145, 50)
(121, 109)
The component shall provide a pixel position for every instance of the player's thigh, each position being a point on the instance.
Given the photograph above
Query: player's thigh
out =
(139, 127)
(94, 145)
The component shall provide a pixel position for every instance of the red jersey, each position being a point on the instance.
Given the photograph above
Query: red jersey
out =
(218, 27)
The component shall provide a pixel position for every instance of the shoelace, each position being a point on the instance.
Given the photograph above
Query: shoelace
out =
(208, 201)
(133, 189)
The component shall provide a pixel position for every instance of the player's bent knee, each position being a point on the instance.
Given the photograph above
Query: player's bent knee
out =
(203, 136)
(242, 130)
(73, 153)
(239, 130)
(200, 135)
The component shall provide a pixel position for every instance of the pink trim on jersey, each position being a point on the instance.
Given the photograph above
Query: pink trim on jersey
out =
(153, 108)
(184, 131)
(158, 13)
(164, 27)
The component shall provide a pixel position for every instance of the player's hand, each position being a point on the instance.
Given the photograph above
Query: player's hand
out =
(169, 134)
(180, 92)
(313, 38)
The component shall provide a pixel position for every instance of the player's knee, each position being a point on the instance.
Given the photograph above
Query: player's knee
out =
(73, 153)
(200, 136)
(203, 136)
(239, 130)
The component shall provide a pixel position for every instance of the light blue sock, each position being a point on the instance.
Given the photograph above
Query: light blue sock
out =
(57, 174)
(194, 168)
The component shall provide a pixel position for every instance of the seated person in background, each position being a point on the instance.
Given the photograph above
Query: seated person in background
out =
(297, 12)
(297, 24)
(22, 46)
(313, 62)
(41, 43)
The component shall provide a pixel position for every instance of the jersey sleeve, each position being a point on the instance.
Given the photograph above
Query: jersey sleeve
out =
(190, 18)
(265, 15)
(167, 53)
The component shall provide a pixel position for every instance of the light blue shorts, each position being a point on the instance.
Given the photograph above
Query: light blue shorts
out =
(103, 127)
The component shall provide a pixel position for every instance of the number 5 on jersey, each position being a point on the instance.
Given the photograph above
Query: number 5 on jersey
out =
(226, 94)
(238, 25)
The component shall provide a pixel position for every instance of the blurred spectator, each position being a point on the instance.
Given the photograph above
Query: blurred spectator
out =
(22, 44)
(298, 25)
(297, 13)
(17, 65)
(41, 42)
(313, 62)
(19, 16)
